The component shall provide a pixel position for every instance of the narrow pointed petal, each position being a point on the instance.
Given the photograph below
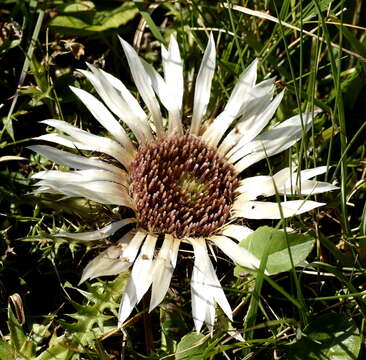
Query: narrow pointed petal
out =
(286, 182)
(203, 85)
(129, 254)
(133, 104)
(114, 101)
(79, 176)
(310, 173)
(167, 97)
(252, 187)
(241, 89)
(311, 187)
(235, 231)
(205, 288)
(100, 234)
(103, 192)
(259, 98)
(202, 302)
(104, 117)
(299, 183)
(163, 268)
(252, 126)
(115, 259)
(280, 178)
(140, 279)
(236, 253)
(272, 141)
(144, 86)
(120, 101)
(83, 140)
(90, 143)
(234, 107)
(44, 189)
(108, 262)
(173, 74)
(102, 264)
(74, 161)
(271, 210)
(173, 69)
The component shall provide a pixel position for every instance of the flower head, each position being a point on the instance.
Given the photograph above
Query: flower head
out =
(183, 184)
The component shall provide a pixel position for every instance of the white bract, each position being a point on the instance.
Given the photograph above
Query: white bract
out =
(234, 140)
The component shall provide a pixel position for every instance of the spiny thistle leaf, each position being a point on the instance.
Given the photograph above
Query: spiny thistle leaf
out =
(92, 318)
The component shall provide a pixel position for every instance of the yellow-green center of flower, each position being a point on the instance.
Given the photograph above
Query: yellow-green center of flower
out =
(181, 186)
(191, 186)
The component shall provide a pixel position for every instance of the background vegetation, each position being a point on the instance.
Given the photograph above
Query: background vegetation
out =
(316, 49)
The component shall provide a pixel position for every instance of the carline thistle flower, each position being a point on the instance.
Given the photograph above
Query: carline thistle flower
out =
(183, 185)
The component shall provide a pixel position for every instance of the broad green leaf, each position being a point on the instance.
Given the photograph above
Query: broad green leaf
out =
(17, 336)
(6, 351)
(79, 6)
(18, 339)
(99, 21)
(331, 336)
(191, 347)
(278, 253)
(172, 326)
(8, 126)
(58, 351)
(149, 21)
